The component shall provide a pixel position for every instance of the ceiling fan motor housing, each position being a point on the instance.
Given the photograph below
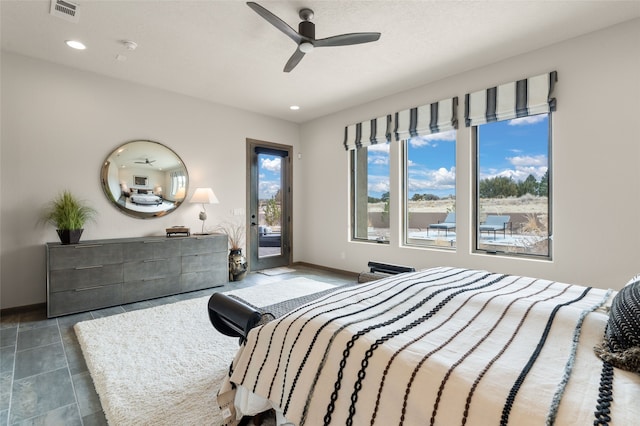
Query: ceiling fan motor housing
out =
(307, 29)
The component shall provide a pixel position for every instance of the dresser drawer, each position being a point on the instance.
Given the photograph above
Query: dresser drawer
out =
(203, 262)
(205, 244)
(150, 288)
(152, 268)
(82, 255)
(151, 249)
(80, 300)
(84, 276)
(199, 280)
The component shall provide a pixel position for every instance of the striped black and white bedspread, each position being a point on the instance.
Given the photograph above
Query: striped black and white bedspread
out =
(444, 346)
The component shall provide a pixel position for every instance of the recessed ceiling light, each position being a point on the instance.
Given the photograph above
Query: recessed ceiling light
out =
(294, 107)
(74, 44)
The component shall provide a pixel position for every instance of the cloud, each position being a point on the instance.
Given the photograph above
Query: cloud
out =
(528, 120)
(268, 189)
(428, 140)
(430, 180)
(379, 160)
(273, 165)
(521, 173)
(378, 184)
(528, 160)
(378, 154)
(522, 168)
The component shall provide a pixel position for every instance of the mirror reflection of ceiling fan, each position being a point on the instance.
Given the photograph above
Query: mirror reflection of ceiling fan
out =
(146, 161)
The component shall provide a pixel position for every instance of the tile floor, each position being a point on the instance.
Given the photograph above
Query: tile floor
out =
(43, 377)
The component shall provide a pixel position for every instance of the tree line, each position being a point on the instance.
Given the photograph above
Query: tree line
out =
(495, 187)
(503, 187)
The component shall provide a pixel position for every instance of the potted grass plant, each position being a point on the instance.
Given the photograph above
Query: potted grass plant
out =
(68, 214)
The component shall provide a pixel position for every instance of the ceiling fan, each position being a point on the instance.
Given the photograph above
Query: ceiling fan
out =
(146, 161)
(305, 36)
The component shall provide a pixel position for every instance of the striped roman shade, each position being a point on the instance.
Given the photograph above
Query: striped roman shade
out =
(426, 119)
(368, 133)
(511, 100)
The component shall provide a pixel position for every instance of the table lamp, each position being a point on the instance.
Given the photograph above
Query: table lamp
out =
(204, 196)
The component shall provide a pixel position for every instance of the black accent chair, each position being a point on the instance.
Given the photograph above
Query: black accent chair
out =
(232, 317)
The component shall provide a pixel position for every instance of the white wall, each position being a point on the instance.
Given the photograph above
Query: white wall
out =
(595, 160)
(60, 124)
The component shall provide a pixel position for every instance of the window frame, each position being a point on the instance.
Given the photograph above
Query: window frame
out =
(406, 240)
(355, 191)
(475, 169)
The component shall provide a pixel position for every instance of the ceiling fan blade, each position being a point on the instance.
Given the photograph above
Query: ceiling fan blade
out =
(275, 21)
(293, 60)
(347, 39)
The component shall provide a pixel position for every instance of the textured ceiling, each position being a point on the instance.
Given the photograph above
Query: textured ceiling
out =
(222, 51)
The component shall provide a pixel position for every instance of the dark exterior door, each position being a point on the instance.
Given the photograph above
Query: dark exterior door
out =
(269, 201)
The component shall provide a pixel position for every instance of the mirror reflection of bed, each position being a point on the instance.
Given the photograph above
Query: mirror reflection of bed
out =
(147, 200)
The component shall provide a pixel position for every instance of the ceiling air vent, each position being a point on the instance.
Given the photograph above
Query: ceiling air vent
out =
(64, 9)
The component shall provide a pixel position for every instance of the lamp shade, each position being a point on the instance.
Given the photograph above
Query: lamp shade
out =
(204, 196)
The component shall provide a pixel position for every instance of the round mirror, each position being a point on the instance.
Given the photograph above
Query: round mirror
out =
(144, 179)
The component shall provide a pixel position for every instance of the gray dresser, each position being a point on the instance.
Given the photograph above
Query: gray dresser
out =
(101, 273)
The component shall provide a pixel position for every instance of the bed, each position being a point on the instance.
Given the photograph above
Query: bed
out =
(145, 199)
(443, 346)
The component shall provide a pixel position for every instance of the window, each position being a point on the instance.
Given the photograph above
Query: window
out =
(178, 181)
(511, 128)
(430, 190)
(370, 193)
(512, 202)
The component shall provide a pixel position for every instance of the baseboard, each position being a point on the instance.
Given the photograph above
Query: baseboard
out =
(326, 268)
(21, 309)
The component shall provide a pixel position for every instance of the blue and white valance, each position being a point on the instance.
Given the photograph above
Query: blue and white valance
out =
(520, 98)
(368, 133)
(427, 119)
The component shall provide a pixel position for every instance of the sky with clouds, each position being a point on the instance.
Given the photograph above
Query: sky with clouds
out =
(512, 148)
(269, 178)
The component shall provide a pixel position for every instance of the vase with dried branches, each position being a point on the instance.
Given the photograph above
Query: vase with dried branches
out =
(237, 261)
(234, 232)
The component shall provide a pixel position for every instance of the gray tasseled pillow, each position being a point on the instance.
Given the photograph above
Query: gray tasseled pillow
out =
(633, 280)
(621, 346)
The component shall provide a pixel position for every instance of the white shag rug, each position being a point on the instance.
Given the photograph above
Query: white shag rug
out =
(164, 365)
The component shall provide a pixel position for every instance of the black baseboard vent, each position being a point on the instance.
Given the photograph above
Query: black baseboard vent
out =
(378, 270)
(388, 268)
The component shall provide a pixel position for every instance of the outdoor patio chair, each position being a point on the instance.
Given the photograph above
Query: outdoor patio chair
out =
(448, 223)
(496, 223)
